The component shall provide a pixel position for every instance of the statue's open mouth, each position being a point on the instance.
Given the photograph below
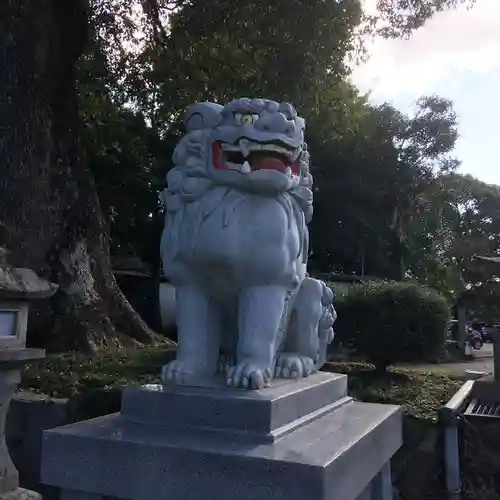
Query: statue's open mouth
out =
(248, 156)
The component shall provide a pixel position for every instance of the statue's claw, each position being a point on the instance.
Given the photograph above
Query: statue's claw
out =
(175, 372)
(291, 365)
(248, 376)
(225, 362)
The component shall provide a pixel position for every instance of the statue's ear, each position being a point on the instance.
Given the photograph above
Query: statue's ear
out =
(202, 115)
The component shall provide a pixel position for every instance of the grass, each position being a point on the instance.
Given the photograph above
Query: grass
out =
(66, 375)
(420, 394)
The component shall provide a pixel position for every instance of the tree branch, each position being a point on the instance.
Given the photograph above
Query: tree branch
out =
(151, 9)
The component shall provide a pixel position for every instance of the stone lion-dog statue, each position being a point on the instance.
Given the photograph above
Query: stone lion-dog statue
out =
(235, 246)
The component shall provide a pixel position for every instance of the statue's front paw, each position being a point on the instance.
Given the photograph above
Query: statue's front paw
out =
(248, 376)
(175, 372)
(225, 362)
(292, 365)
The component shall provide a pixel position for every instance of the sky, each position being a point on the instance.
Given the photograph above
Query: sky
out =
(456, 55)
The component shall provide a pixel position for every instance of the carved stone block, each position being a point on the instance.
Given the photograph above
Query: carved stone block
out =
(296, 443)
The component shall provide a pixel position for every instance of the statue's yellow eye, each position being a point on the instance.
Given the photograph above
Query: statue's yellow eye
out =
(245, 118)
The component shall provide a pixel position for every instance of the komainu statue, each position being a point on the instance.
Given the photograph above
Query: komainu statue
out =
(235, 245)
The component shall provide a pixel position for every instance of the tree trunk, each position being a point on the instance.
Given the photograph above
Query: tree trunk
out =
(48, 200)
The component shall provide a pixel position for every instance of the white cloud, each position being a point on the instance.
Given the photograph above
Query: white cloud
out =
(452, 42)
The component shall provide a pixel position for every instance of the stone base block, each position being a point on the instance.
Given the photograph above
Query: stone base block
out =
(265, 415)
(301, 440)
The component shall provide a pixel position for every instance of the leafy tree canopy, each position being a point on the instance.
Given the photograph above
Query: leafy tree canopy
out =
(381, 175)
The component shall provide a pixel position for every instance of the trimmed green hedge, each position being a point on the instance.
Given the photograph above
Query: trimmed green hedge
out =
(391, 322)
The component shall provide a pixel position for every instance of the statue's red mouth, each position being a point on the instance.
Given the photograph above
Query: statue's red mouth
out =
(251, 157)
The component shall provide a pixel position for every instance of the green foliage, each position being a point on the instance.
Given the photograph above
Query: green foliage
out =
(377, 186)
(390, 322)
(483, 301)
(471, 214)
(94, 384)
(69, 374)
(460, 220)
(420, 394)
(379, 174)
(396, 18)
(283, 49)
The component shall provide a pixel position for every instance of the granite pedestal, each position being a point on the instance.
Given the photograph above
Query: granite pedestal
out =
(297, 440)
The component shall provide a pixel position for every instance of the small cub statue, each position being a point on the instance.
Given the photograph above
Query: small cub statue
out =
(235, 245)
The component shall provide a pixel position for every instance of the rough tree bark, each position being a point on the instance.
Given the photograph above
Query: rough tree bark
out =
(48, 200)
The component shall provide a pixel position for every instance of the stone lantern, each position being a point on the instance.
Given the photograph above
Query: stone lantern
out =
(17, 288)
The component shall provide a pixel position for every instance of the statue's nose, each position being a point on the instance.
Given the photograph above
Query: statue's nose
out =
(275, 122)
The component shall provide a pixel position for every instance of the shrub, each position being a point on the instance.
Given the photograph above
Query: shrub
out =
(389, 322)
(65, 375)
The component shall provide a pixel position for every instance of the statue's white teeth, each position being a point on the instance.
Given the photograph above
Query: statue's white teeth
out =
(245, 168)
(244, 147)
(295, 154)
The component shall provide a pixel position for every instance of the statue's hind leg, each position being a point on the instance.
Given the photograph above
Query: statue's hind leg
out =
(198, 326)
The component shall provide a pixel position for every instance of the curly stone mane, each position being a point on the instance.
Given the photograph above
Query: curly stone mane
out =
(189, 197)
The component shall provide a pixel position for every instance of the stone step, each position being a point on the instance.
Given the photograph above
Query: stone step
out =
(334, 457)
(264, 415)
